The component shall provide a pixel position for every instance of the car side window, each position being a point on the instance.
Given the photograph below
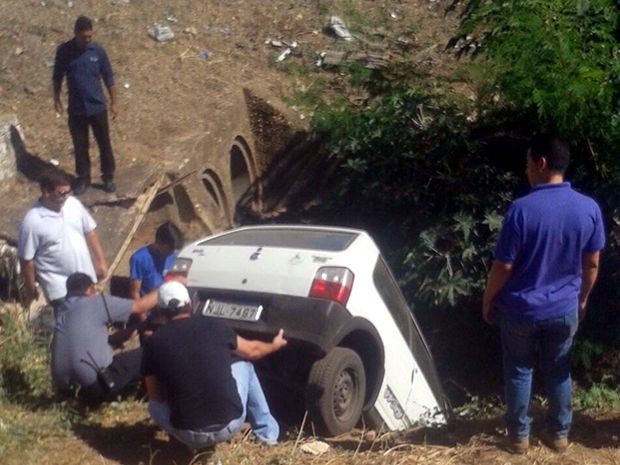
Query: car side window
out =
(393, 298)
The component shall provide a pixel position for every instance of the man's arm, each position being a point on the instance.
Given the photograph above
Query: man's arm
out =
(113, 106)
(134, 288)
(96, 252)
(589, 273)
(145, 303)
(499, 274)
(30, 289)
(253, 349)
(153, 392)
(57, 85)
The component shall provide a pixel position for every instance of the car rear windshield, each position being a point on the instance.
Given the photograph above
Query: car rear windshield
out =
(314, 239)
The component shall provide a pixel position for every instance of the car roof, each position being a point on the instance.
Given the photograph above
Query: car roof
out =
(324, 238)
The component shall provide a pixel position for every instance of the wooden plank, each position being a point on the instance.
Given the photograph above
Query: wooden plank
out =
(143, 203)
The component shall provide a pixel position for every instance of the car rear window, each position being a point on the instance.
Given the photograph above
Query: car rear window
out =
(314, 239)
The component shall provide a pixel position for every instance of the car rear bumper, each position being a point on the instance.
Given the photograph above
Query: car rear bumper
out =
(315, 323)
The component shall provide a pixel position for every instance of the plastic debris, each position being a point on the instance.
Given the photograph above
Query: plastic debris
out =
(54, 162)
(337, 26)
(315, 447)
(126, 85)
(172, 19)
(160, 33)
(274, 43)
(319, 61)
(287, 51)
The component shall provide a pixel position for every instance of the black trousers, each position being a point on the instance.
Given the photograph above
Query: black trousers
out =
(124, 371)
(78, 127)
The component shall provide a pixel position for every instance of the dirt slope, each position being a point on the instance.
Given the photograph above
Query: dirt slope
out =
(167, 90)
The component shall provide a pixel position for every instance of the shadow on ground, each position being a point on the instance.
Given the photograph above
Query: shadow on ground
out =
(134, 444)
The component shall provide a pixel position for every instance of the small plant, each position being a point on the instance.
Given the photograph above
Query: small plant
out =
(479, 408)
(24, 357)
(598, 396)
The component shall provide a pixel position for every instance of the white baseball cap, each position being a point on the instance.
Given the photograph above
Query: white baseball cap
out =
(172, 295)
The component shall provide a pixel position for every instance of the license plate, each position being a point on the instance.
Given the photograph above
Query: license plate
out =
(233, 311)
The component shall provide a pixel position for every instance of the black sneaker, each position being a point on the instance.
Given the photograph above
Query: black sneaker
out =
(108, 186)
(80, 188)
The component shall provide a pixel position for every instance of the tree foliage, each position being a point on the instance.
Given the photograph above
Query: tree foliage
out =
(552, 62)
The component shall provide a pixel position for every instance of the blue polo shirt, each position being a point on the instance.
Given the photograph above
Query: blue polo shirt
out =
(84, 68)
(543, 236)
(149, 268)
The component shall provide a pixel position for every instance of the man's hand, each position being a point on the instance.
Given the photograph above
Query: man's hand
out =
(101, 269)
(582, 308)
(488, 313)
(251, 349)
(58, 106)
(279, 341)
(113, 110)
(30, 295)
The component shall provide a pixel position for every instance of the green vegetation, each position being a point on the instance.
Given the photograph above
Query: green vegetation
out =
(555, 63)
(430, 174)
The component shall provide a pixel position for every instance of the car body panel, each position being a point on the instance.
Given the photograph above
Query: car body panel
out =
(274, 266)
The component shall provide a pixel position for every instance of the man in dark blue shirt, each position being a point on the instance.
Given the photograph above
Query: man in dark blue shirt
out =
(544, 267)
(85, 64)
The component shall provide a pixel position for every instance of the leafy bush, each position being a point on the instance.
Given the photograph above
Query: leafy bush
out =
(411, 172)
(555, 63)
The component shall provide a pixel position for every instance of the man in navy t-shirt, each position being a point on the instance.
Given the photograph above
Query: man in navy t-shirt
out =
(86, 64)
(544, 267)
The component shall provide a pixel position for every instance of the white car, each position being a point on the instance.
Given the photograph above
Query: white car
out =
(354, 344)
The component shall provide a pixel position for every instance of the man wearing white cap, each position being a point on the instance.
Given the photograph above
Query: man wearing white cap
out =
(198, 377)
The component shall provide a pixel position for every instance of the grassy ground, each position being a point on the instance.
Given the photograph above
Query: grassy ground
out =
(37, 427)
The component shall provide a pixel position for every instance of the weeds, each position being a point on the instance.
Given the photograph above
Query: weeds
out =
(24, 357)
(601, 396)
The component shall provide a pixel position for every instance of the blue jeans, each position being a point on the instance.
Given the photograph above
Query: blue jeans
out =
(551, 341)
(264, 426)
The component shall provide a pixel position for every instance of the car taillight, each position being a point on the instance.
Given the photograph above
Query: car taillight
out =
(332, 283)
(180, 266)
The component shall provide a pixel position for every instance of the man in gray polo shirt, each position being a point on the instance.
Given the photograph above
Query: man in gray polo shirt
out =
(80, 349)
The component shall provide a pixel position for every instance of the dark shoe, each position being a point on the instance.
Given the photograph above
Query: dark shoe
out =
(80, 187)
(554, 443)
(518, 446)
(108, 186)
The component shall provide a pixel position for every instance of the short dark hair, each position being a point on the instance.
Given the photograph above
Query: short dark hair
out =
(78, 284)
(51, 179)
(170, 235)
(554, 149)
(83, 24)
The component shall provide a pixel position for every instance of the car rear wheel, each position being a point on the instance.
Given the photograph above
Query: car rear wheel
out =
(335, 391)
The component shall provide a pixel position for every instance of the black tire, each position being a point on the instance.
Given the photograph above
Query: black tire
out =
(335, 392)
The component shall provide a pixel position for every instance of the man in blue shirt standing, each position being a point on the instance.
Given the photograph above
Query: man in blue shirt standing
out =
(545, 265)
(85, 64)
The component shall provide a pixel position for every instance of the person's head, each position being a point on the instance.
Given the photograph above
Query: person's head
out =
(173, 299)
(547, 156)
(80, 284)
(83, 31)
(55, 188)
(168, 238)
